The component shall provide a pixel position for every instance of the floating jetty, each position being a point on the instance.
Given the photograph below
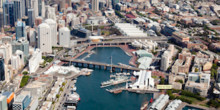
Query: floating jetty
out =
(144, 106)
(116, 90)
(117, 80)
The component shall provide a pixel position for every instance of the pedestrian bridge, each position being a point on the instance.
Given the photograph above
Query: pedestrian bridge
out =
(91, 64)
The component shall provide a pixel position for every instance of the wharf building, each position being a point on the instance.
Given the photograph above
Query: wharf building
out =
(160, 102)
(174, 105)
(144, 81)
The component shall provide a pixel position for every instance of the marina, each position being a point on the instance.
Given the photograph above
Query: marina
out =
(102, 97)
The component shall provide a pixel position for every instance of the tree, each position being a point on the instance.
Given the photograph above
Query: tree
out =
(24, 81)
(57, 96)
(61, 89)
(63, 84)
(162, 80)
(196, 70)
(25, 73)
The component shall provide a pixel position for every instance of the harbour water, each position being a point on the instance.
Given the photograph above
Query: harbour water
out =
(191, 108)
(95, 98)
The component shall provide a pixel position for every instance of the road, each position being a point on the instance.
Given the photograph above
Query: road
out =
(126, 38)
(46, 94)
(62, 98)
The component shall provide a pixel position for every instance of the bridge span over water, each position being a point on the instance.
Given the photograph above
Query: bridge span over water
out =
(91, 64)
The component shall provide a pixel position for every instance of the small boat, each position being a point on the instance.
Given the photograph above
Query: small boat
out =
(74, 88)
(112, 76)
(86, 71)
(117, 91)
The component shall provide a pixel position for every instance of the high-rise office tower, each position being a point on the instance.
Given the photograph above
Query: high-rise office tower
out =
(95, 5)
(27, 6)
(34, 5)
(44, 38)
(19, 9)
(1, 18)
(31, 17)
(53, 26)
(40, 7)
(1, 3)
(2, 69)
(43, 9)
(50, 12)
(165, 61)
(6, 52)
(64, 37)
(62, 5)
(20, 30)
(21, 44)
(8, 10)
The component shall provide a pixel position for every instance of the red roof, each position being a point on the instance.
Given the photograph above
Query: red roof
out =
(130, 16)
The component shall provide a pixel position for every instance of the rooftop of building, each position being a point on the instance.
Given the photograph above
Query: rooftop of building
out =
(7, 93)
(20, 98)
(181, 35)
(197, 85)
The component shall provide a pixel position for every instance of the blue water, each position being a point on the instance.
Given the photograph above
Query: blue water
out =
(95, 98)
(103, 55)
(190, 108)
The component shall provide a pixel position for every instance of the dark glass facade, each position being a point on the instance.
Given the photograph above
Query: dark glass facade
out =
(2, 70)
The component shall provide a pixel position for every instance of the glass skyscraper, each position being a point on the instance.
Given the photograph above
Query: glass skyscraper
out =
(20, 30)
(8, 10)
(2, 70)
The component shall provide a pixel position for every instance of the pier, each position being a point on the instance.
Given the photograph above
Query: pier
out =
(88, 64)
(116, 83)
